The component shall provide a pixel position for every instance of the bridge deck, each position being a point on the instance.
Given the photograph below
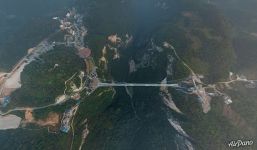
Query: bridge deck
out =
(136, 85)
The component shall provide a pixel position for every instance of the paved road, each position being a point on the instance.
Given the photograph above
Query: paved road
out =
(25, 108)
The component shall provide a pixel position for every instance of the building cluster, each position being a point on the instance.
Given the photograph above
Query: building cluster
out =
(251, 84)
(93, 81)
(75, 32)
(193, 85)
(72, 24)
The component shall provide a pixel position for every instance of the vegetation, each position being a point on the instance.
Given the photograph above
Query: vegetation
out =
(91, 108)
(214, 129)
(202, 38)
(42, 82)
(40, 139)
(203, 43)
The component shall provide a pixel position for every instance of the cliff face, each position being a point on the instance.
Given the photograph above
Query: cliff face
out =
(147, 119)
(143, 120)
